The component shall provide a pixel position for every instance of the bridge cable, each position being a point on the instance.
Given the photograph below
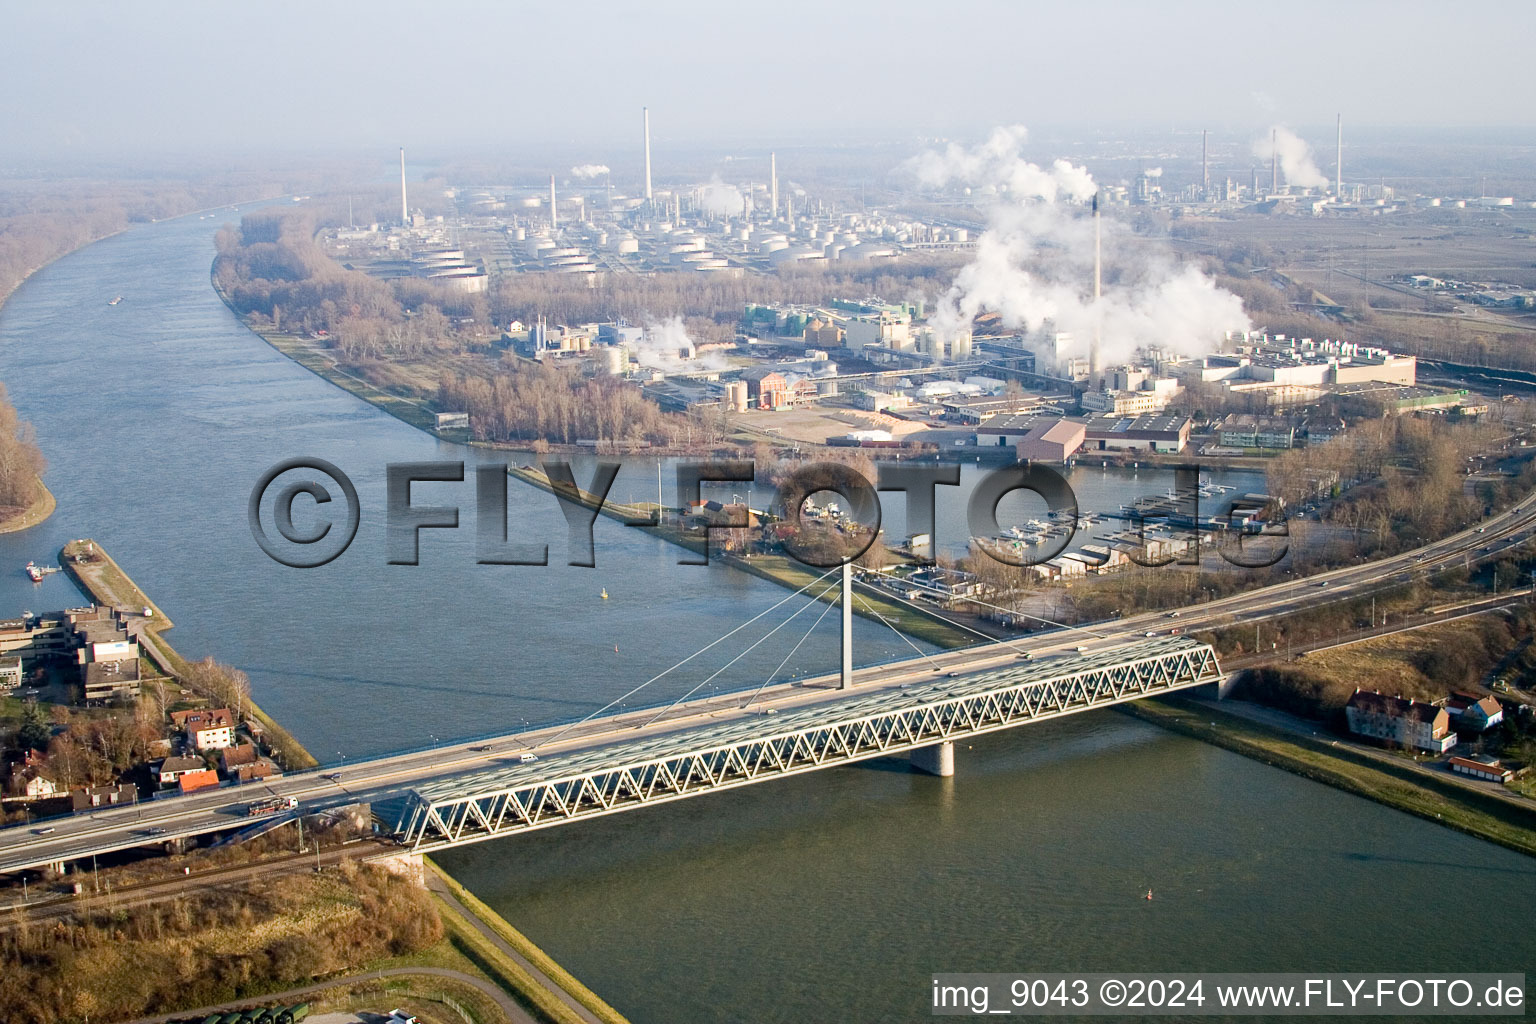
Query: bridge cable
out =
(757, 643)
(871, 609)
(622, 697)
(758, 692)
(1004, 641)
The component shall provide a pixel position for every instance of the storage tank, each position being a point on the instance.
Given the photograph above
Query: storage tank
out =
(612, 360)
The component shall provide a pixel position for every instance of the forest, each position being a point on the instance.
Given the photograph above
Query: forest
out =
(21, 461)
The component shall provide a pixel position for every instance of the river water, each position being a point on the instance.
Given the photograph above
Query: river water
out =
(830, 897)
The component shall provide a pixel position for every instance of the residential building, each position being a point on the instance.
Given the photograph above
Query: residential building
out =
(173, 768)
(202, 778)
(237, 756)
(1412, 724)
(102, 796)
(1472, 713)
(1242, 430)
(207, 728)
(33, 786)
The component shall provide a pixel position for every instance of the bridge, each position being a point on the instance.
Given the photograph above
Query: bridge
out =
(472, 790)
(923, 720)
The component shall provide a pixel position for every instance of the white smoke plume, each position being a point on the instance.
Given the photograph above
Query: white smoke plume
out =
(720, 199)
(1034, 262)
(589, 170)
(666, 345)
(1153, 172)
(1296, 161)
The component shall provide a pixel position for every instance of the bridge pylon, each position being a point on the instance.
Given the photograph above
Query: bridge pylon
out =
(846, 682)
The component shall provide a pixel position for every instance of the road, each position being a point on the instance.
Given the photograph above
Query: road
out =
(106, 830)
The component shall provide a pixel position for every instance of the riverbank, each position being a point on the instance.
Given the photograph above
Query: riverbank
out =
(553, 989)
(33, 514)
(1402, 788)
(912, 619)
(101, 579)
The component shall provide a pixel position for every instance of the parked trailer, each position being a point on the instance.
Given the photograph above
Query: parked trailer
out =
(299, 1011)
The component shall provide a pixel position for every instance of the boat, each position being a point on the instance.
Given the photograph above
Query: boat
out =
(604, 594)
(113, 302)
(36, 572)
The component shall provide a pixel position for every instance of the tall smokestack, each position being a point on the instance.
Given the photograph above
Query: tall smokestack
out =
(645, 113)
(553, 222)
(1098, 288)
(1205, 167)
(1338, 181)
(773, 185)
(1274, 160)
(405, 217)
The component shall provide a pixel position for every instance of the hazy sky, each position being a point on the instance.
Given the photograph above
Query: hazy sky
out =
(144, 79)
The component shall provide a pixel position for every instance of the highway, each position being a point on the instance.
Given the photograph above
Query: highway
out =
(392, 776)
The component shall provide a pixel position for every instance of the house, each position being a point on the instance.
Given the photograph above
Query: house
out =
(1409, 723)
(1487, 768)
(261, 768)
(237, 756)
(207, 728)
(1473, 713)
(201, 778)
(33, 786)
(87, 797)
(173, 768)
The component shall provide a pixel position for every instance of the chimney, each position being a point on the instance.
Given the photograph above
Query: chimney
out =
(553, 223)
(1338, 182)
(645, 112)
(1205, 167)
(405, 217)
(773, 185)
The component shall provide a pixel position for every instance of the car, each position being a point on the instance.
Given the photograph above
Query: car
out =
(1151, 632)
(1082, 648)
(42, 831)
(528, 758)
(1173, 615)
(482, 748)
(1175, 631)
(1324, 583)
(1480, 529)
(332, 776)
(156, 831)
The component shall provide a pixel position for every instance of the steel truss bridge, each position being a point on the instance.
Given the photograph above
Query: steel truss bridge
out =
(922, 719)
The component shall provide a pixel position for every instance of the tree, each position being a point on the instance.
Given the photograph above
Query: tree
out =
(34, 733)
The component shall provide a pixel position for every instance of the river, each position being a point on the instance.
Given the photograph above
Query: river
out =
(829, 897)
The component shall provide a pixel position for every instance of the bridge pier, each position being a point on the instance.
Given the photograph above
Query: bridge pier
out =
(1225, 685)
(938, 759)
